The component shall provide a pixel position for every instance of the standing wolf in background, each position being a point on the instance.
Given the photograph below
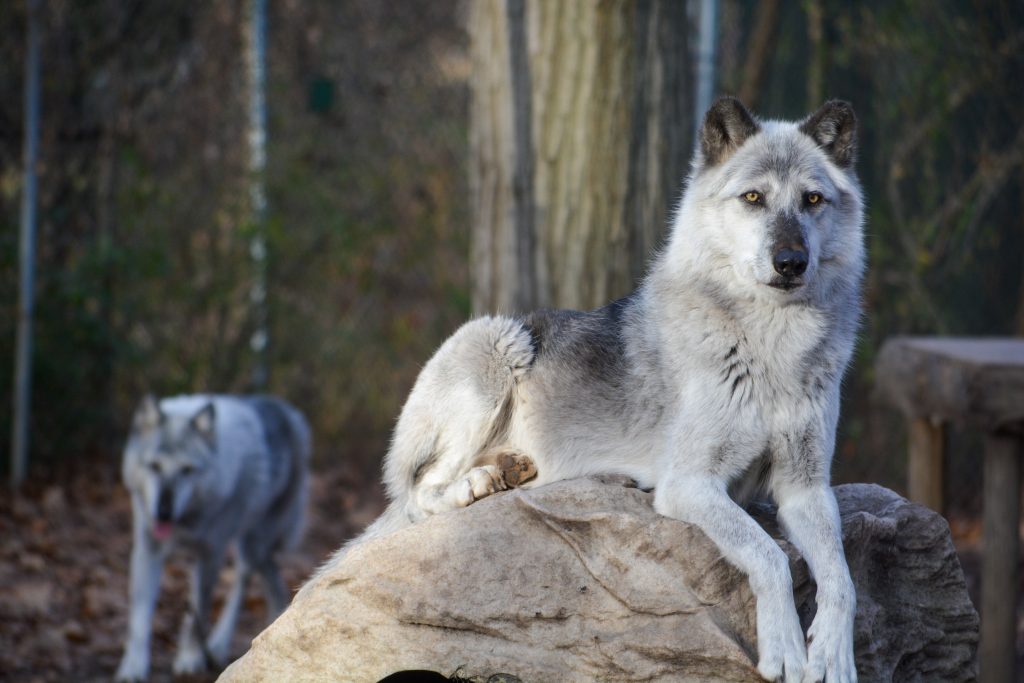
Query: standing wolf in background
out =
(203, 472)
(717, 379)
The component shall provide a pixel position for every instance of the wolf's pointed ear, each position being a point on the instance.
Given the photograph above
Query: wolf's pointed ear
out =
(727, 125)
(834, 128)
(204, 422)
(148, 415)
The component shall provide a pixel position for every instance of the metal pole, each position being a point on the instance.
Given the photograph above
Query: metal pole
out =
(707, 38)
(23, 355)
(257, 58)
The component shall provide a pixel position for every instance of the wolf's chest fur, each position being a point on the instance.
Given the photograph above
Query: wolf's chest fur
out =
(747, 357)
(769, 356)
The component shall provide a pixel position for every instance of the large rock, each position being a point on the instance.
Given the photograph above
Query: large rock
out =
(582, 581)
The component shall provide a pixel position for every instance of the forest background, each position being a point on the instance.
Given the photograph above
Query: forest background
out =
(143, 266)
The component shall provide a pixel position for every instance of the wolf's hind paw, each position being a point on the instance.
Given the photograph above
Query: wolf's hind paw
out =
(506, 469)
(478, 483)
(515, 468)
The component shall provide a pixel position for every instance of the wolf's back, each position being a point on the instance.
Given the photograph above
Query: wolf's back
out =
(286, 430)
(288, 447)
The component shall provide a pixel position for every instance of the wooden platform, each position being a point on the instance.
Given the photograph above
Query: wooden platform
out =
(979, 384)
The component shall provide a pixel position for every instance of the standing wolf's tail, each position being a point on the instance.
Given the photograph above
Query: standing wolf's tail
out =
(301, 439)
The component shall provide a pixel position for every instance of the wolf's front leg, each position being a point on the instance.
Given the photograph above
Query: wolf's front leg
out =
(810, 518)
(703, 500)
(146, 566)
(193, 655)
(219, 641)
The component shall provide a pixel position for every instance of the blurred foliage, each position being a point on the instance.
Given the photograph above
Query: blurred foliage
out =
(143, 272)
(936, 87)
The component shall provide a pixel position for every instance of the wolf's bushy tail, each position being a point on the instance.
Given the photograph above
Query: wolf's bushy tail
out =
(462, 400)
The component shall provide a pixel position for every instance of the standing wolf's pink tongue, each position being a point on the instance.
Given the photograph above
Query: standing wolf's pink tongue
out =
(162, 530)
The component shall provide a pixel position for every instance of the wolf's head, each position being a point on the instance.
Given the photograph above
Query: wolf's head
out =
(774, 205)
(166, 458)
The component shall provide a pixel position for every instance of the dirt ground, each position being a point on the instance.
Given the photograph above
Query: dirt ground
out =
(64, 548)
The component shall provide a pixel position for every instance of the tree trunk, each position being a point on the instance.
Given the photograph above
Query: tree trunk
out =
(581, 132)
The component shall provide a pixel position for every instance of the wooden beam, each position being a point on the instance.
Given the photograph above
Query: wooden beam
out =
(998, 653)
(925, 464)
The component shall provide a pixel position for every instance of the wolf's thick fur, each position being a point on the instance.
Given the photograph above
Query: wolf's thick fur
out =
(718, 378)
(203, 472)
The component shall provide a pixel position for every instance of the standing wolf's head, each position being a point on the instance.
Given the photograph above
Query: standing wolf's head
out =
(165, 460)
(774, 204)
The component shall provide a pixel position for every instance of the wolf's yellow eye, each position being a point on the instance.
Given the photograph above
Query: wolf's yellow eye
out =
(752, 197)
(814, 198)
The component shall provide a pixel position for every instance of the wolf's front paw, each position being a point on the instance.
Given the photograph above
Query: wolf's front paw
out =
(134, 667)
(830, 652)
(189, 661)
(782, 655)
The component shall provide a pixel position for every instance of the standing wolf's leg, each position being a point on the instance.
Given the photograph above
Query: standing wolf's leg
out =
(146, 566)
(274, 587)
(192, 653)
(219, 642)
(703, 500)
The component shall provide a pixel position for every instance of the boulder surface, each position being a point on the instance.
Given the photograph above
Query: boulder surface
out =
(582, 581)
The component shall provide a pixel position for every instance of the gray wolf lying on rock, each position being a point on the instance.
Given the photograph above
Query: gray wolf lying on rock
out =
(716, 380)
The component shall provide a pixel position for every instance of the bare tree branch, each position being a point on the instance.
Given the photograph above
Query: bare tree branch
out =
(985, 184)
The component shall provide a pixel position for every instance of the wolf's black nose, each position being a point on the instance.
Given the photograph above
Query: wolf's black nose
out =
(790, 262)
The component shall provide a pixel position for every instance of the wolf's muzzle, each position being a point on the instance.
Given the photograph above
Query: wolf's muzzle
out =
(165, 506)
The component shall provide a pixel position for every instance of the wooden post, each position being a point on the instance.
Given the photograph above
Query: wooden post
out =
(925, 464)
(997, 653)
